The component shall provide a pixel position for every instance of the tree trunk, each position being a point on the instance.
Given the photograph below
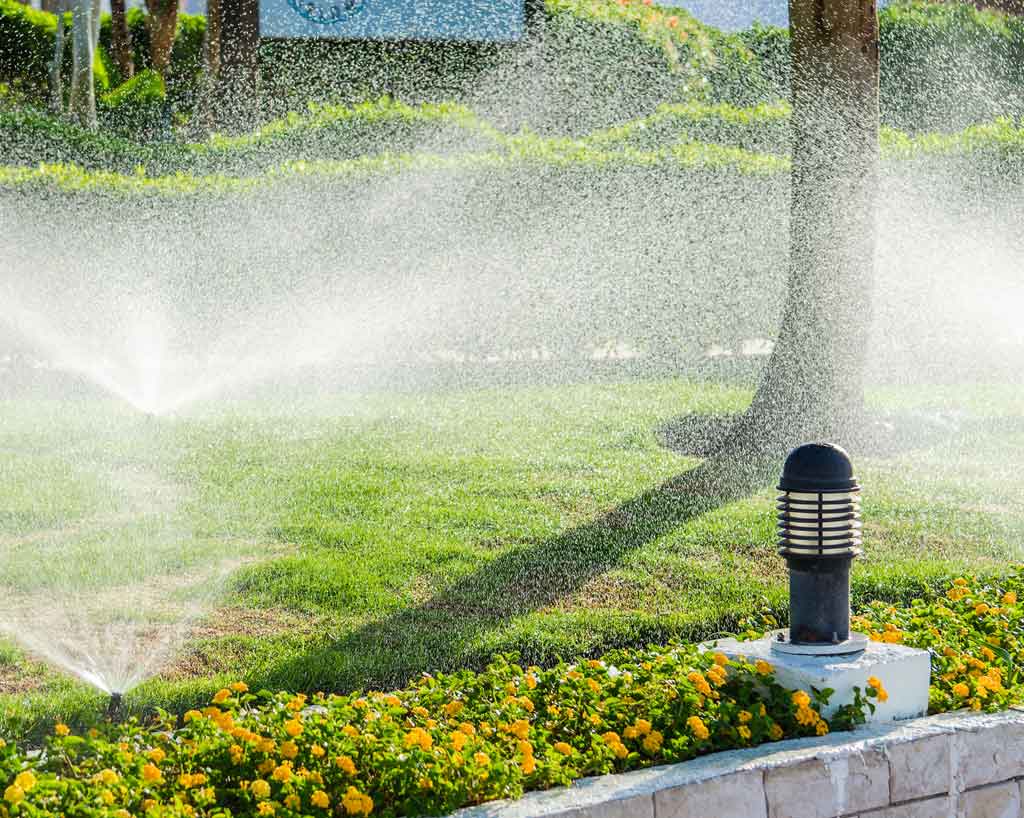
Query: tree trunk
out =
(204, 118)
(235, 98)
(121, 40)
(56, 80)
(83, 49)
(813, 385)
(162, 22)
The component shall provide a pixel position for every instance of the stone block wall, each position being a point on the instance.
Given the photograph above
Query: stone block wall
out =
(951, 766)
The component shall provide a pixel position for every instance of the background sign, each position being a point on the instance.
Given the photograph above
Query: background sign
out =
(487, 20)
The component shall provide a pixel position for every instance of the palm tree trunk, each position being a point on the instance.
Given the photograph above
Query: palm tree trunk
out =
(813, 384)
(162, 21)
(121, 40)
(83, 95)
(56, 80)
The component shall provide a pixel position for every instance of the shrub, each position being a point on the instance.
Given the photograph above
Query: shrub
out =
(944, 66)
(447, 740)
(137, 107)
(444, 741)
(26, 50)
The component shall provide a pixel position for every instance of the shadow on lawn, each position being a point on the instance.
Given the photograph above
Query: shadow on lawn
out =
(440, 633)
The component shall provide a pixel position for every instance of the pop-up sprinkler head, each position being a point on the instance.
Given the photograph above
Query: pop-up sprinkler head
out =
(115, 708)
(819, 535)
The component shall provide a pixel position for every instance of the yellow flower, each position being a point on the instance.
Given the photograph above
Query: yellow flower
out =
(356, 803)
(107, 797)
(520, 729)
(821, 728)
(14, 794)
(1010, 598)
(27, 779)
(594, 685)
(619, 750)
(156, 755)
(350, 730)
(237, 753)
(531, 681)
(459, 740)
(961, 690)
(721, 659)
(467, 728)
(239, 687)
(346, 764)
(418, 737)
(744, 716)
(152, 773)
(960, 581)
(775, 732)
(981, 609)
(317, 751)
(61, 729)
(528, 765)
(221, 696)
(192, 715)
(283, 773)
(320, 799)
(265, 808)
(149, 803)
(698, 728)
(106, 776)
(482, 759)
(563, 748)
(806, 716)
(453, 708)
(391, 700)
(289, 749)
(874, 682)
(260, 788)
(611, 737)
(653, 742)
(293, 801)
(643, 726)
(630, 733)
(293, 728)
(763, 667)
(744, 731)
(801, 699)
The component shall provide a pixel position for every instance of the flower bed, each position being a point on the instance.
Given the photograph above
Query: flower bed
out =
(446, 741)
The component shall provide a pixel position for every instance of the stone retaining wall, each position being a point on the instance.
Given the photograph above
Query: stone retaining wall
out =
(951, 766)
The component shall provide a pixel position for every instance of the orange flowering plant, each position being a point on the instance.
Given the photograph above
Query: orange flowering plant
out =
(441, 743)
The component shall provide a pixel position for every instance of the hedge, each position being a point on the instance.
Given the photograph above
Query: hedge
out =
(26, 50)
(325, 132)
(944, 66)
(449, 740)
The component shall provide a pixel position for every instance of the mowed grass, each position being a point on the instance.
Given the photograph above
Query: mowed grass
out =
(374, 537)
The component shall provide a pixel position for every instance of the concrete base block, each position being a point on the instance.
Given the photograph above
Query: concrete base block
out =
(904, 672)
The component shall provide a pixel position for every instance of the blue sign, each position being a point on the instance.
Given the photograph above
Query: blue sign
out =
(479, 20)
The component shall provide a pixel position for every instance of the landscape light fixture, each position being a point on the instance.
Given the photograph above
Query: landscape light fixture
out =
(819, 535)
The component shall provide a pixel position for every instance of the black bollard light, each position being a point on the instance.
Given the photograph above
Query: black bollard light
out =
(819, 535)
(115, 708)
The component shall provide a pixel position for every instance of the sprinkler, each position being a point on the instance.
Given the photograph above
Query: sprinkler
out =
(115, 708)
(819, 535)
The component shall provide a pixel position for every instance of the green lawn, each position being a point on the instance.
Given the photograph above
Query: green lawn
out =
(359, 540)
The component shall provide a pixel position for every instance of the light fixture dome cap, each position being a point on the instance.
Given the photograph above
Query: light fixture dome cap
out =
(818, 467)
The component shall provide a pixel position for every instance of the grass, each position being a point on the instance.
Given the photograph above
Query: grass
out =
(372, 537)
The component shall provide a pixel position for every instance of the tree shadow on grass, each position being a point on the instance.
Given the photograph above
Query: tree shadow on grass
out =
(443, 633)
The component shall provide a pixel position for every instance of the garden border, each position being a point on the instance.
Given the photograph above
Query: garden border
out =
(955, 764)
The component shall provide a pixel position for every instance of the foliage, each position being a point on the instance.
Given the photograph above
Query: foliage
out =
(944, 66)
(443, 742)
(448, 740)
(975, 634)
(136, 107)
(26, 50)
